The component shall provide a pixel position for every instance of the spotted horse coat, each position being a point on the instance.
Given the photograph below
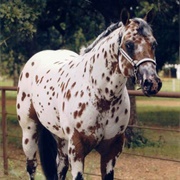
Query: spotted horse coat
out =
(69, 104)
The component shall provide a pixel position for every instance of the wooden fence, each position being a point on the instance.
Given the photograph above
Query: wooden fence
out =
(4, 119)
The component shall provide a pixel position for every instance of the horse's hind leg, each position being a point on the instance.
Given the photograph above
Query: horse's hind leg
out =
(62, 158)
(109, 151)
(30, 149)
(29, 123)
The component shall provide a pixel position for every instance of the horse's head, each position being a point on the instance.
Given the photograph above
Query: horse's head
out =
(137, 54)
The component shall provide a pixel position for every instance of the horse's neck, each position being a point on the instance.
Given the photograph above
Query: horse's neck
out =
(105, 77)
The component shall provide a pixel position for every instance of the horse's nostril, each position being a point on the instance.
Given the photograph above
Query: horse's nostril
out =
(147, 85)
(151, 86)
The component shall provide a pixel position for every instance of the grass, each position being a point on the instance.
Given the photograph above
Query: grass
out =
(158, 112)
(159, 116)
(161, 144)
(170, 84)
(6, 82)
(9, 94)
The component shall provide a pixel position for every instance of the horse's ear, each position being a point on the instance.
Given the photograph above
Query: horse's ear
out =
(150, 16)
(124, 17)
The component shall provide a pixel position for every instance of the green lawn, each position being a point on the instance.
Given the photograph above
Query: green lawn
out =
(158, 112)
(161, 144)
(170, 84)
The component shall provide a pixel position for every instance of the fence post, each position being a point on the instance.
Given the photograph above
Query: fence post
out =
(4, 132)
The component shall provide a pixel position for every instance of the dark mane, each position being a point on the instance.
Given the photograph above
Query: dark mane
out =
(144, 28)
(105, 33)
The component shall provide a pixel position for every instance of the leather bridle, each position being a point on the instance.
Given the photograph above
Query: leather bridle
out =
(134, 63)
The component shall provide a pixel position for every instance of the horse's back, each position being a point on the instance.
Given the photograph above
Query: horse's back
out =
(49, 57)
(42, 61)
(34, 75)
(53, 54)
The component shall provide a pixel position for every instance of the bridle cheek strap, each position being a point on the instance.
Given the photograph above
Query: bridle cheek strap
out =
(136, 65)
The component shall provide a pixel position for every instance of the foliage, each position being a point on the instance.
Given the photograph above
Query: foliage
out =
(111, 10)
(166, 145)
(17, 19)
(166, 28)
(136, 138)
(18, 25)
(66, 24)
(31, 26)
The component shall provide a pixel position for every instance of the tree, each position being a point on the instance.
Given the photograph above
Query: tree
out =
(111, 11)
(162, 25)
(166, 28)
(165, 24)
(31, 26)
(63, 21)
(18, 25)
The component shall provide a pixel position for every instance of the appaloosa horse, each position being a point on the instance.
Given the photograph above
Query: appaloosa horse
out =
(69, 104)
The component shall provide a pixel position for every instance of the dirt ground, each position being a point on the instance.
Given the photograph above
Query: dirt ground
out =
(128, 167)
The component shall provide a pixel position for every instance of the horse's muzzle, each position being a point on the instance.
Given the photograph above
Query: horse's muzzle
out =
(151, 86)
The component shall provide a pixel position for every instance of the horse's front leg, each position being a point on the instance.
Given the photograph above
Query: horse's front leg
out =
(76, 156)
(77, 166)
(109, 150)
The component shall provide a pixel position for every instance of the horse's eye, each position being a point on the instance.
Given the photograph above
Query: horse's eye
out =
(129, 45)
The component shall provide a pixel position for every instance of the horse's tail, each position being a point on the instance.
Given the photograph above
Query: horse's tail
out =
(48, 152)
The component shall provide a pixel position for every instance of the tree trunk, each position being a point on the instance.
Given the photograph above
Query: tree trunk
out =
(133, 115)
(130, 133)
(111, 11)
(15, 76)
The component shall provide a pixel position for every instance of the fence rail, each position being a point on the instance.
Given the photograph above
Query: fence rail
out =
(3, 90)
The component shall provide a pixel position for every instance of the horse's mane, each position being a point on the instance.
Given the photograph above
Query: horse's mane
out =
(105, 33)
(144, 29)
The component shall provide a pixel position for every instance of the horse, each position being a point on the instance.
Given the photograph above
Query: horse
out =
(69, 104)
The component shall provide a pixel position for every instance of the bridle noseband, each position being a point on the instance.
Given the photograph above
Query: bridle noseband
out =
(135, 65)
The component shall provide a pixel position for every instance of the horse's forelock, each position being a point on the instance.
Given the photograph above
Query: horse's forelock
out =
(144, 28)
